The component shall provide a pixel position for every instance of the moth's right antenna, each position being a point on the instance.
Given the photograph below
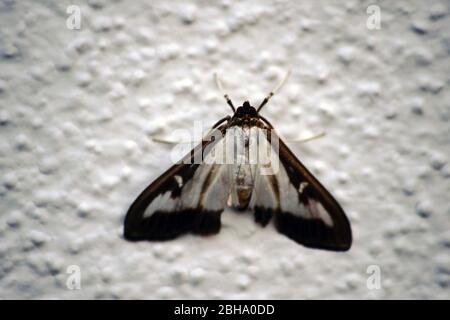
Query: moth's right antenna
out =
(227, 98)
(271, 93)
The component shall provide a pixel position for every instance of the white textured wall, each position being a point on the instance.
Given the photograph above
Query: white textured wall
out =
(78, 109)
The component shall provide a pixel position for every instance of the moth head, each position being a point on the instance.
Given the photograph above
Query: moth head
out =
(246, 110)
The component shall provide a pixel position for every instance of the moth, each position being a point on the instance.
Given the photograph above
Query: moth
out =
(243, 164)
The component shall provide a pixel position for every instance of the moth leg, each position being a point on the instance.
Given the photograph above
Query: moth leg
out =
(271, 93)
(218, 123)
(161, 140)
(172, 142)
(227, 98)
(313, 137)
(266, 121)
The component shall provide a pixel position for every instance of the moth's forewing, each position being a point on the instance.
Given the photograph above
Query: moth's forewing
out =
(306, 212)
(181, 200)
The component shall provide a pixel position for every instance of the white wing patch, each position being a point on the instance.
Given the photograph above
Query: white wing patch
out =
(163, 203)
(275, 191)
(207, 189)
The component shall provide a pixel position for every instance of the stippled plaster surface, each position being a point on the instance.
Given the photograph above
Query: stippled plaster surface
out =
(79, 108)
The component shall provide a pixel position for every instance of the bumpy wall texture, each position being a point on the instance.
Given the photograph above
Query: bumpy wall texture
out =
(79, 109)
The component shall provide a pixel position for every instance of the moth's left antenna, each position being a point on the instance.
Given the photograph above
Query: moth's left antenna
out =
(227, 98)
(271, 93)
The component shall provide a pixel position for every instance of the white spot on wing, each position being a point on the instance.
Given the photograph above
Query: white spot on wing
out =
(302, 186)
(179, 180)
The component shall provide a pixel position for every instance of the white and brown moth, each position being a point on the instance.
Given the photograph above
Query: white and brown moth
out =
(243, 164)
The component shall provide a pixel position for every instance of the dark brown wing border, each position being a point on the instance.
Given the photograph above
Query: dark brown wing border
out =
(168, 225)
(312, 233)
